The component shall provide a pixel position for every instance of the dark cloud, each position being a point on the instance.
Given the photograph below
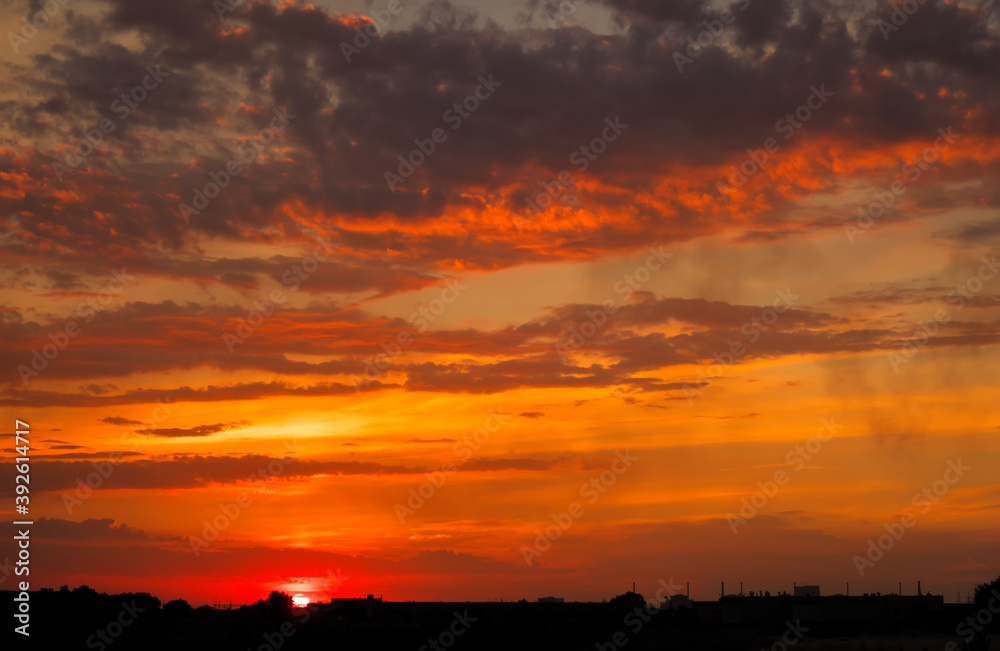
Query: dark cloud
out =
(323, 175)
(200, 430)
(952, 35)
(104, 529)
(893, 294)
(354, 119)
(507, 464)
(977, 232)
(193, 471)
(763, 20)
(548, 351)
(687, 12)
(98, 389)
(63, 279)
(118, 420)
(94, 456)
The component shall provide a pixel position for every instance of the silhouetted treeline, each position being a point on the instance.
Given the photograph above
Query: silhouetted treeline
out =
(85, 619)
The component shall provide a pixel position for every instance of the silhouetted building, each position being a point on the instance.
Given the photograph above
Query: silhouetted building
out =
(676, 601)
(838, 609)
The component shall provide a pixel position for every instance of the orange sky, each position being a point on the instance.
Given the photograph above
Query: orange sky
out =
(429, 392)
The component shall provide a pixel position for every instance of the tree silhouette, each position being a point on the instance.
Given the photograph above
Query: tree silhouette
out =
(177, 608)
(984, 592)
(280, 603)
(630, 599)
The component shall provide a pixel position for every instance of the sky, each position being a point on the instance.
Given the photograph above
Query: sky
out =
(449, 301)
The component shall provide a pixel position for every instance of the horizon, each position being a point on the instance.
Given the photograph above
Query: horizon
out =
(457, 301)
(661, 596)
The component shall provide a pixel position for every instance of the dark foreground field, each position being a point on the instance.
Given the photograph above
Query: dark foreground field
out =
(84, 619)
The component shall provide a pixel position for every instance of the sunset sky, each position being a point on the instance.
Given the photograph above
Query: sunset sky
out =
(592, 277)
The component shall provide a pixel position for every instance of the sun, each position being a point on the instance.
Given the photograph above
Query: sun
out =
(300, 600)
